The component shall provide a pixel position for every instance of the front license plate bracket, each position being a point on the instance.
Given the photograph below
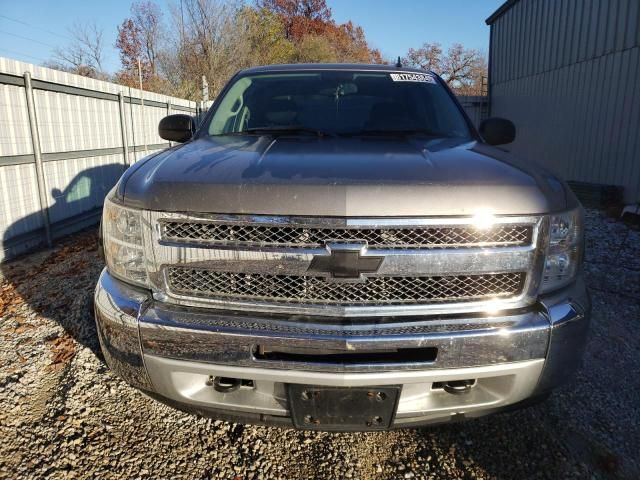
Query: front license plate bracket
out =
(343, 408)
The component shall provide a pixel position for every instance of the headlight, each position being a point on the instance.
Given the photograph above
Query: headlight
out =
(123, 245)
(564, 254)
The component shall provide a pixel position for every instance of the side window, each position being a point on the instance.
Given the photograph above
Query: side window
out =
(446, 116)
(80, 189)
(231, 111)
(241, 119)
(235, 115)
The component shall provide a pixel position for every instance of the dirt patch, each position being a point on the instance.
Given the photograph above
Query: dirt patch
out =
(63, 350)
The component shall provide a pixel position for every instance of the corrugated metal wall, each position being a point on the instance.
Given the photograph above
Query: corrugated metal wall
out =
(566, 73)
(475, 106)
(78, 123)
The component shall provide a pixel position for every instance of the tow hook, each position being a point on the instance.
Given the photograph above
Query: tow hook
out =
(224, 384)
(458, 387)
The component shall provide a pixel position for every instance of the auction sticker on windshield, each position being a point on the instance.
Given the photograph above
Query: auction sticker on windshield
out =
(412, 77)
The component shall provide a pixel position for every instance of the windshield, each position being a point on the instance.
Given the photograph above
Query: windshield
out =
(338, 103)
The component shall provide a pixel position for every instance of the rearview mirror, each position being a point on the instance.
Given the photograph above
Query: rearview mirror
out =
(497, 131)
(177, 128)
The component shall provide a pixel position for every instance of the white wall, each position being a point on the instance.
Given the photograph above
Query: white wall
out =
(81, 144)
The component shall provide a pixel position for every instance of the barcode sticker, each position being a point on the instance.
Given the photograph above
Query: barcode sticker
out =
(413, 77)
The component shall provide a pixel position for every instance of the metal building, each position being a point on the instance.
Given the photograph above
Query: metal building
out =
(566, 73)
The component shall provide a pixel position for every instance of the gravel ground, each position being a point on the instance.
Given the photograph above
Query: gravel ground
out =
(64, 415)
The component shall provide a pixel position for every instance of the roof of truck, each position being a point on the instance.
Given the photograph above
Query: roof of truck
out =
(331, 66)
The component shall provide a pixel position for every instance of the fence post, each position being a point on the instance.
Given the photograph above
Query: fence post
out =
(169, 113)
(123, 129)
(35, 142)
(142, 117)
(133, 126)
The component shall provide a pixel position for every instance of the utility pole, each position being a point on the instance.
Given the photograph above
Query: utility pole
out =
(144, 136)
(205, 89)
(205, 98)
(181, 25)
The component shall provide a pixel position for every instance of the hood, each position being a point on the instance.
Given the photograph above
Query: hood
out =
(344, 177)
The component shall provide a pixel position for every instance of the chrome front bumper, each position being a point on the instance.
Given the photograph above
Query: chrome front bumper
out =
(172, 352)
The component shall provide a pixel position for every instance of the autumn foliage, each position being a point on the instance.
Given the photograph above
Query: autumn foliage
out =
(215, 38)
(139, 42)
(171, 50)
(300, 17)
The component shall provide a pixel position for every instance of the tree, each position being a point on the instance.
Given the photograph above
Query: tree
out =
(139, 43)
(462, 68)
(215, 38)
(427, 57)
(84, 55)
(211, 41)
(350, 43)
(148, 18)
(310, 26)
(300, 17)
(266, 42)
(130, 46)
(315, 48)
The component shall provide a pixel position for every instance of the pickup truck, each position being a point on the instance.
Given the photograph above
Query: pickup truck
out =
(336, 247)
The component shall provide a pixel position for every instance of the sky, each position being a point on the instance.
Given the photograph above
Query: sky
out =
(30, 29)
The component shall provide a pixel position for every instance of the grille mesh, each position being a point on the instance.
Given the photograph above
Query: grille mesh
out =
(315, 290)
(312, 237)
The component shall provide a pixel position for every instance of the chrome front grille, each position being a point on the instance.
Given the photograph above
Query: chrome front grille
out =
(437, 236)
(266, 264)
(315, 290)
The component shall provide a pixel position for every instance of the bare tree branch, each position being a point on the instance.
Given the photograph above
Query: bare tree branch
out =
(427, 57)
(84, 55)
(462, 68)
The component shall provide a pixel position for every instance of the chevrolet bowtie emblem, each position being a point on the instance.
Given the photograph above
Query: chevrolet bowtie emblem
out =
(345, 262)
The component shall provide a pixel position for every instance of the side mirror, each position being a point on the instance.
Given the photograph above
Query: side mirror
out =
(497, 131)
(177, 128)
(56, 193)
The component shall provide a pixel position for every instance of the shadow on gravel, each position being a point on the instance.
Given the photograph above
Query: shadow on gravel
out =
(58, 284)
(532, 443)
(502, 446)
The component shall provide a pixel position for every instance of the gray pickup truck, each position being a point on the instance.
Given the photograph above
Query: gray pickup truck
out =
(337, 248)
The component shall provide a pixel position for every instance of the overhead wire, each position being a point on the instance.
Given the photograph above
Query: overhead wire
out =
(21, 54)
(25, 38)
(22, 22)
(29, 39)
(34, 27)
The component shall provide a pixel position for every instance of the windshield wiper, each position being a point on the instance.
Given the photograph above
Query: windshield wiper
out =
(287, 129)
(397, 132)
